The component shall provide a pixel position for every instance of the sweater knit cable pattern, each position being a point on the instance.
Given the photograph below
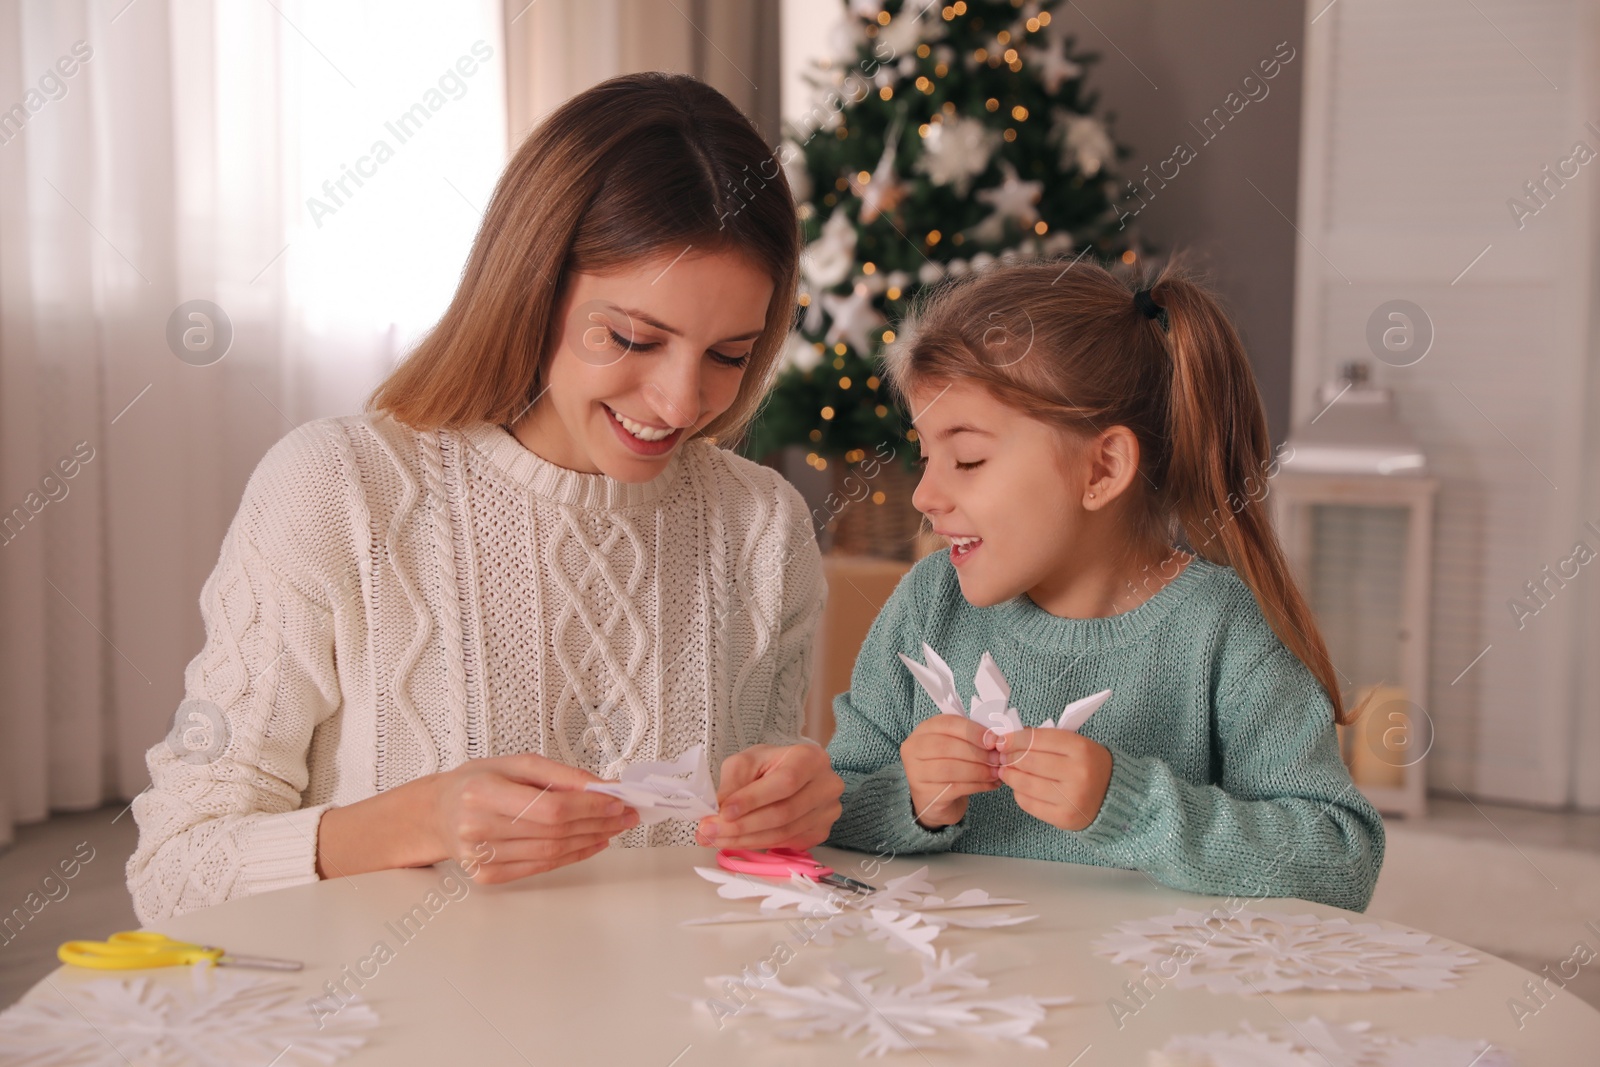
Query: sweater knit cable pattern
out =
(389, 603)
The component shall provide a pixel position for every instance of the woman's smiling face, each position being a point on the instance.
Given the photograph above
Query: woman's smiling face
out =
(647, 355)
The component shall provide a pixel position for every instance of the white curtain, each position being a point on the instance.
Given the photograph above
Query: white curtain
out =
(317, 172)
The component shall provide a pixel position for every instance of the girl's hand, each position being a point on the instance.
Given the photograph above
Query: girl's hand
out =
(774, 796)
(511, 816)
(1058, 776)
(947, 759)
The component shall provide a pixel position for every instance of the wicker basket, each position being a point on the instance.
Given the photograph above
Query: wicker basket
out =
(871, 510)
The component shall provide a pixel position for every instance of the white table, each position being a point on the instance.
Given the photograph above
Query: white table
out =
(590, 965)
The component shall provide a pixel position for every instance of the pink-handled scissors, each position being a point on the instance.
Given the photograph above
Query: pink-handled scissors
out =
(783, 862)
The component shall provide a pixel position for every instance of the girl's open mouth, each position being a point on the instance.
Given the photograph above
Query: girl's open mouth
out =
(962, 548)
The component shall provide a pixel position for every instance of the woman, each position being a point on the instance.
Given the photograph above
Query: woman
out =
(529, 564)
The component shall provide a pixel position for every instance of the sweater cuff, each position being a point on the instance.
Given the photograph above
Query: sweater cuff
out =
(1125, 800)
(280, 850)
(878, 813)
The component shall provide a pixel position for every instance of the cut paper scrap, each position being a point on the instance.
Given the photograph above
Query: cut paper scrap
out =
(949, 999)
(1272, 952)
(672, 789)
(991, 705)
(221, 1017)
(905, 912)
(1314, 1042)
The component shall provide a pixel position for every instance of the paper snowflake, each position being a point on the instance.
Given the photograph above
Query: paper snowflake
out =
(991, 704)
(895, 1019)
(1312, 1042)
(1271, 952)
(906, 912)
(221, 1018)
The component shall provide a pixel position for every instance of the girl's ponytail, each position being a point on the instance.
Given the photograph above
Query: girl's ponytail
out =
(1217, 464)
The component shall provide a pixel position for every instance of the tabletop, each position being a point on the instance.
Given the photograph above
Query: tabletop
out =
(592, 964)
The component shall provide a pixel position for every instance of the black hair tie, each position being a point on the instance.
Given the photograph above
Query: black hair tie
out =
(1149, 308)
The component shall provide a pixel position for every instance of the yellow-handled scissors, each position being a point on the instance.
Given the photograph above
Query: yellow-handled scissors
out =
(134, 949)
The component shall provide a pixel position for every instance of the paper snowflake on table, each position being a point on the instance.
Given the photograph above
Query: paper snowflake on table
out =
(906, 912)
(896, 1019)
(1271, 952)
(1313, 1042)
(221, 1018)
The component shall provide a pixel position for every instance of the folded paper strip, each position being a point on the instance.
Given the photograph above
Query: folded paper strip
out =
(670, 789)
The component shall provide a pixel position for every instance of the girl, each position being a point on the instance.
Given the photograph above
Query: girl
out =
(1097, 458)
(529, 564)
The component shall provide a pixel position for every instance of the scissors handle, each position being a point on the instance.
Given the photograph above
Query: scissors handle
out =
(135, 949)
(773, 863)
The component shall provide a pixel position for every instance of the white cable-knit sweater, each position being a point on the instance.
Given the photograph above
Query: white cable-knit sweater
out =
(390, 603)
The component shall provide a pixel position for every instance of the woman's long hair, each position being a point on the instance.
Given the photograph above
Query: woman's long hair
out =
(636, 167)
(1071, 348)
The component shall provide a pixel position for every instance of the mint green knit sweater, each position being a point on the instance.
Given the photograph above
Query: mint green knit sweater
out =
(1226, 776)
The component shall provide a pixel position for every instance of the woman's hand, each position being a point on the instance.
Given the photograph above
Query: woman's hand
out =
(774, 796)
(511, 816)
(947, 759)
(1058, 776)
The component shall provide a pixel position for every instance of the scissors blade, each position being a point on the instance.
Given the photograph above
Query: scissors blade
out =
(839, 881)
(259, 963)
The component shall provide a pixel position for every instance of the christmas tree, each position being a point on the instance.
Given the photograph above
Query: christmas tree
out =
(942, 138)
